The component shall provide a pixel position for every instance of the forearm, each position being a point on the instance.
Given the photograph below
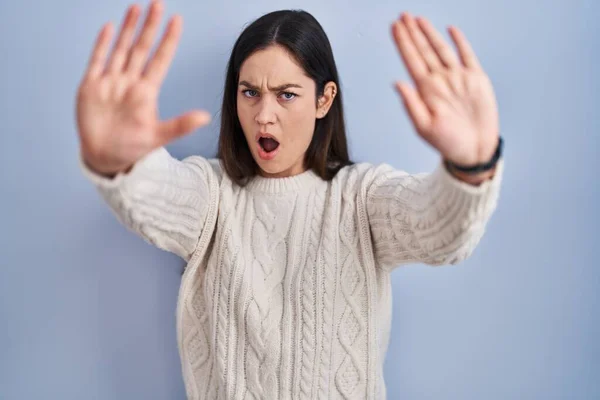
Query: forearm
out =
(434, 219)
(160, 198)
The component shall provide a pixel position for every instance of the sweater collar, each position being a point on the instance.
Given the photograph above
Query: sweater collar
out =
(299, 182)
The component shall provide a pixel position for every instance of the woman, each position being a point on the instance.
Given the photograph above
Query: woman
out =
(289, 245)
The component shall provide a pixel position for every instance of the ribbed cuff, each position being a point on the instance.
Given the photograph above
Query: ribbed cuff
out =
(150, 159)
(485, 186)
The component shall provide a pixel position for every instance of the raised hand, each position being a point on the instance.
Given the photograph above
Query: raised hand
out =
(452, 105)
(117, 101)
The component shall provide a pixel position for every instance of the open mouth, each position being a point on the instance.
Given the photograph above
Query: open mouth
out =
(268, 144)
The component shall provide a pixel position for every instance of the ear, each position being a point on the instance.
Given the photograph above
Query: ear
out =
(326, 100)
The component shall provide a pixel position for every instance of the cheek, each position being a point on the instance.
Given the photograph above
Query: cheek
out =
(245, 118)
(301, 124)
(241, 112)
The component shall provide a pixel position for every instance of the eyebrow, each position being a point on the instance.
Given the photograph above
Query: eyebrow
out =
(273, 89)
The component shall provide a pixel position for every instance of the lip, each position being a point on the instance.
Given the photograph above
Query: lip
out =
(266, 135)
(263, 154)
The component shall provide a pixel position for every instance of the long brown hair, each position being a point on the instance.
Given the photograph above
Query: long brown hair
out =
(304, 38)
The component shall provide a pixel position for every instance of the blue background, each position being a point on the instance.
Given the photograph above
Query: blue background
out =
(87, 309)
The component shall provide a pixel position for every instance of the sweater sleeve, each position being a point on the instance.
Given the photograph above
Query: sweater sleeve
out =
(430, 218)
(162, 199)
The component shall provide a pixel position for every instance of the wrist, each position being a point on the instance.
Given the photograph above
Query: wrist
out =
(109, 173)
(470, 178)
(479, 172)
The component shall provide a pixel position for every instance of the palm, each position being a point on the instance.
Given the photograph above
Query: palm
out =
(464, 120)
(117, 105)
(453, 106)
(122, 124)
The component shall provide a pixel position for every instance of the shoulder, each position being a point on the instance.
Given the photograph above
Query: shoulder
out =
(208, 166)
(366, 179)
(364, 174)
(215, 164)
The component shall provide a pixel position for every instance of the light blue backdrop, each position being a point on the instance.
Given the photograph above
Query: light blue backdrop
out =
(87, 310)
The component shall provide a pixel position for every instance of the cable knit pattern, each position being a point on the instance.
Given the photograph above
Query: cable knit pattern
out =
(350, 375)
(328, 286)
(286, 290)
(309, 297)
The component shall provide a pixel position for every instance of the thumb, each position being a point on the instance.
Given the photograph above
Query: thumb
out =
(176, 127)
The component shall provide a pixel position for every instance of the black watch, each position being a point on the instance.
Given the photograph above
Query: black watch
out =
(476, 169)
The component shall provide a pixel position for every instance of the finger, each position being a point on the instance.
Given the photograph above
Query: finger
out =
(417, 110)
(445, 53)
(123, 44)
(161, 61)
(409, 53)
(179, 126)
(141, 49)
(422, 44)
(99, 53)
(467, 55)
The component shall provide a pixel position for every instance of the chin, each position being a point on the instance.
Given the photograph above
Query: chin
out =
(275, 168)
(272, 168)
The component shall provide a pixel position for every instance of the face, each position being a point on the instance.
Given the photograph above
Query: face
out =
(277, 110)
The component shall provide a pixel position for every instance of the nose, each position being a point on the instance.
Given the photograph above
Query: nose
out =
(266, 111)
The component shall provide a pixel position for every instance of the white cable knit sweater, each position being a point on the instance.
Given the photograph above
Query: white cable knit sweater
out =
(286, 294)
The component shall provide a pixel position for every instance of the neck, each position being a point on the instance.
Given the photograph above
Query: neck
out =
(294, 170)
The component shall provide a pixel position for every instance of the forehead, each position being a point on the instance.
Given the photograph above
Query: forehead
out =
(273, 65)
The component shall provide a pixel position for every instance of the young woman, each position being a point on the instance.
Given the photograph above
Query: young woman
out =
(289, 245)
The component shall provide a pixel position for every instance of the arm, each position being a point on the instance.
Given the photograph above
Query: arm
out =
(162, 199)
(434, 218)
(438, 218)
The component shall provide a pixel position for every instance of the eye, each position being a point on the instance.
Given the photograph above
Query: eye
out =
(248, 91)
(289, 95)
